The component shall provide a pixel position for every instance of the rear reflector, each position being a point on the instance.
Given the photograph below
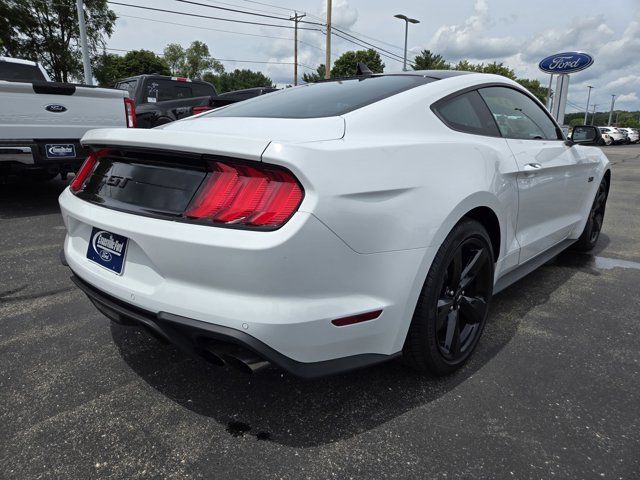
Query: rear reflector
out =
(86, 170)
(361, 317)
(244, 195)
(130, 113)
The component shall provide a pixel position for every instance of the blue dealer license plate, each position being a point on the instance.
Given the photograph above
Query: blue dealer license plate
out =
(107, 249)
(64, 150)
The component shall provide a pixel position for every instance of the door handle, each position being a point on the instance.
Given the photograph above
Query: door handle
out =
(532, 166)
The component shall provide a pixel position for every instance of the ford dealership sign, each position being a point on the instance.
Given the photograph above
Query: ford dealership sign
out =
(567, 62)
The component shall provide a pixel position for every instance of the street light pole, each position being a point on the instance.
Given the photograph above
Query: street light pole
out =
(88, 76)
(586, 110)
(407, 20)
(613, 101)
(593, 117)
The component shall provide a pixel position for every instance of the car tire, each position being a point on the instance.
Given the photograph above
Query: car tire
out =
(589, 237)
(453, 305)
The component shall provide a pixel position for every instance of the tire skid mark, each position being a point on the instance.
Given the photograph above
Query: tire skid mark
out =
(32, 296)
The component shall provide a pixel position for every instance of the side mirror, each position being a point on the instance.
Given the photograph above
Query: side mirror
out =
(586, 135)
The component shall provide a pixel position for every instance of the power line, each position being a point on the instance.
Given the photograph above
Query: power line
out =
(364, 46)
(322, 20)
(205, 16)
(370, 44)
(208, 5)
(240, 6)
(218, 30)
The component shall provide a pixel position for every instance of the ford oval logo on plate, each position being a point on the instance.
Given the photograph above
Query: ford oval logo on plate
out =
(55, 108)
(567, 62)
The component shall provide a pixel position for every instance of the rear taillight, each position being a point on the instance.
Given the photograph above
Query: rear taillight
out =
(86, 170)
(130, 113)
(197, 110)
(244, 195)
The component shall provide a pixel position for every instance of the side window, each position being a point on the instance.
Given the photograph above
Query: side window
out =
(518, 116)
(467, 113)
(129, 86)
(202, 89)
(160, 89)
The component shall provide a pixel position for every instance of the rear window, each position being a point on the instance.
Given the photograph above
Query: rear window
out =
(19, 72)
(324, 99)
(160, 89)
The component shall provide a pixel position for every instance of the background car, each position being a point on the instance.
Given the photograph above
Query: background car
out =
(333, 225)
(616, 135)
(632, 134)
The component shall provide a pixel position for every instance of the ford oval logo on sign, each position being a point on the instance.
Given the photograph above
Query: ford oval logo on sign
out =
(55, 108)
(567, 62)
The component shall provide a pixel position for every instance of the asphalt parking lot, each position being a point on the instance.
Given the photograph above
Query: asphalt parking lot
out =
(552, 392)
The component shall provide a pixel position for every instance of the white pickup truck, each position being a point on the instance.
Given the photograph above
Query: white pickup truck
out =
(41, 122)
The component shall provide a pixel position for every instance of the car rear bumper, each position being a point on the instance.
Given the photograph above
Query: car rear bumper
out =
(281, 288)
(202, 339)
(16, 155)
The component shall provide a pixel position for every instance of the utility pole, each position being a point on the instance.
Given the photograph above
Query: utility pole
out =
(593, 117)
(296, 18)
(327, 61)
(88, 76)
(549, 94)
(613, 101)
(586, 110)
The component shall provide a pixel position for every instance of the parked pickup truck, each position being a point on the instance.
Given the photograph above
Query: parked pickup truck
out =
(41, 122)
(161, 99)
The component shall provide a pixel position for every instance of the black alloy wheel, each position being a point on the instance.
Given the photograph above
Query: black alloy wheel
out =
(453, 306)
(464, 299)
(593, 227)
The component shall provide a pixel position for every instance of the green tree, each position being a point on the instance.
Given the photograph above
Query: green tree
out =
(314, 76)
(110, 68)
(48, 32)
(237, 80)
(534, 87)
(498, 69)
(175, 56)
(426, 60)
(345, 65)
(197, 61)
(467, 66)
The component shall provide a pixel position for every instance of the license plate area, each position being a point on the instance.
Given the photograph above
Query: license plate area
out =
(107, 249)
(60, 150)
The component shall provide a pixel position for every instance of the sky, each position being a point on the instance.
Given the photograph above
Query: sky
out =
(517, 32)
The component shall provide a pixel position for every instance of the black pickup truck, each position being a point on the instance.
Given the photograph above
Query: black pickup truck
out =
(161, 99)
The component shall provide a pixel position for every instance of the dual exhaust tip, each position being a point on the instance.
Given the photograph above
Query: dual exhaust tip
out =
(236, 357)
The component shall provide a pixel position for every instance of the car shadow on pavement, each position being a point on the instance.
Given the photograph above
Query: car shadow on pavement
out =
(23, 198)
(276, 406)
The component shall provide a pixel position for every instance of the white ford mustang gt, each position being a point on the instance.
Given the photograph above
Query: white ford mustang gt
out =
(333, 225)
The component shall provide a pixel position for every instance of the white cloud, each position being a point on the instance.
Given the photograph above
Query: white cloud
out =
(470, 40)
